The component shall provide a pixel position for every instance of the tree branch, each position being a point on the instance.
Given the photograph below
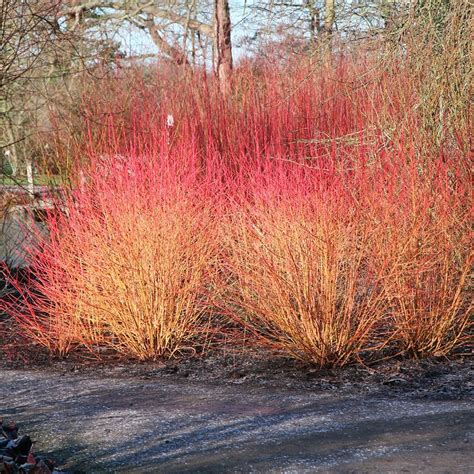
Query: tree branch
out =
(174, 52)
(137, 7)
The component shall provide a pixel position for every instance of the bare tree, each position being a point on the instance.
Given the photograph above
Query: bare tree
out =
(162, 21)
(329, 18)
(39, 59)
(223, 45)
(27, 30)
(314, 22)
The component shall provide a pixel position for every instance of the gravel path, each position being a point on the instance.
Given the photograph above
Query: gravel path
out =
(103, 423)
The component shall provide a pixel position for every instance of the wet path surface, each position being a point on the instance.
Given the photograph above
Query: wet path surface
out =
(93, 423)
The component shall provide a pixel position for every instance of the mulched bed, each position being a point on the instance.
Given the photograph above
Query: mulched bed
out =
(435, 378)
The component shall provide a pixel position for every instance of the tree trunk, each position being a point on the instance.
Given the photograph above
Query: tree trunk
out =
(223, 45)
(329, 17)
(30, 177)
(314, 23)
(12, 150)
(387, 11)
(9, 143)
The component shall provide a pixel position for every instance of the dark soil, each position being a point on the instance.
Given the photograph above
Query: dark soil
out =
(435, 378)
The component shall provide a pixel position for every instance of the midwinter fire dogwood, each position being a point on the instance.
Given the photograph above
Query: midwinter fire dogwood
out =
(317, 216)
